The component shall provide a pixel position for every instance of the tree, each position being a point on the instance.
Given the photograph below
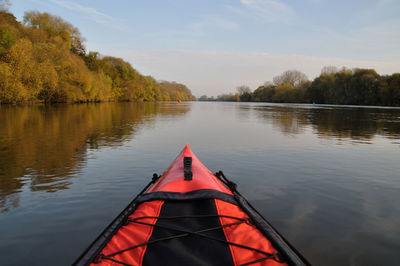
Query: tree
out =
(93, 61)
(329, 70)
(268, 83)
(291, 77)
(228, 97)
(244, 93)
(389, 90)
(203, 98)
(264, 93)
(44, 59)
(342, 86)
(55, 26)
(7, 37)
(284, 93)
(393, 82)
(364, 87)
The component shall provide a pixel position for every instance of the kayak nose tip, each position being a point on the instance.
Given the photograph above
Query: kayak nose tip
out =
(187, 148)
(186, 152)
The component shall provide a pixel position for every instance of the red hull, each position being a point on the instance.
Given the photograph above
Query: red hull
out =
(190, 216)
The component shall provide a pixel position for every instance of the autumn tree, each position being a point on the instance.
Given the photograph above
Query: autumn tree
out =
(291, 77)
(56, 27)
(44, 60)
(264, 93)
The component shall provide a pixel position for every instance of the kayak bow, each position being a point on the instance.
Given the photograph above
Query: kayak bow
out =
(189, 216)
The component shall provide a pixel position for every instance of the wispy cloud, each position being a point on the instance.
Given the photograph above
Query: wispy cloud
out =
(373, 35)
(222, 23)
(269, 10)
(213, 23)
(314, 1)
(385, 2)
(93, 14)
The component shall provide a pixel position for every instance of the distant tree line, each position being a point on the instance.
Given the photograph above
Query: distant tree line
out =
(332, 86)
(44, 59)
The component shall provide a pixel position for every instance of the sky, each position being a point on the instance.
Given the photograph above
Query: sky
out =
(214, 46)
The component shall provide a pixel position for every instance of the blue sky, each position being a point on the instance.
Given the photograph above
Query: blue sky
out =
(214, 46)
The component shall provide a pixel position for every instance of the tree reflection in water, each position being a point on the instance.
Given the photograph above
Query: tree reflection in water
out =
(43, 146)
(337, 122)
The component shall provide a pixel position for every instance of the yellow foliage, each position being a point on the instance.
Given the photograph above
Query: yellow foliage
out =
(45, 60)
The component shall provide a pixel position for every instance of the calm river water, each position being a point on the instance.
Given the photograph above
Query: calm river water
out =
(327, 177)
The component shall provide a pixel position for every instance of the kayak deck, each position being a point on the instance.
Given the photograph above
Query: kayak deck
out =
(189, 216)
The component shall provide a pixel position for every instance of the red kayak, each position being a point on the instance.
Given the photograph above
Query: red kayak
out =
(189, 216)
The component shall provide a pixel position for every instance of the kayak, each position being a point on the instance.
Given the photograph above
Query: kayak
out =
(189, 216)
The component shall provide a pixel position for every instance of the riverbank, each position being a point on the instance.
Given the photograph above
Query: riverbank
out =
(44, 60)
(333, 86)
(82, 102)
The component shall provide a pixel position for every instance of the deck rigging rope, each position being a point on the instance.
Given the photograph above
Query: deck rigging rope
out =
(183, 233)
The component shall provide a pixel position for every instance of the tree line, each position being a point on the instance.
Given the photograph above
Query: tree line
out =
(44, 59)
(332, 86)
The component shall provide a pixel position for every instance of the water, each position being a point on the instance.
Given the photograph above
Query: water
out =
(327, 177)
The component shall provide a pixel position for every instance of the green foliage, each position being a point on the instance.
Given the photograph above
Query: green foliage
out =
(358, 87)
(355, 87)
(389, 90)
(264, 93)
(44, 60)
(288, 93)
(7, 38)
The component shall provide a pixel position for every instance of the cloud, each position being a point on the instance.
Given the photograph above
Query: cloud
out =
(223, 23)
(203, 26)
(385, 2)
(93, 14)
(213, 73)
(382, 36)
(268, 10)
(313, 1)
